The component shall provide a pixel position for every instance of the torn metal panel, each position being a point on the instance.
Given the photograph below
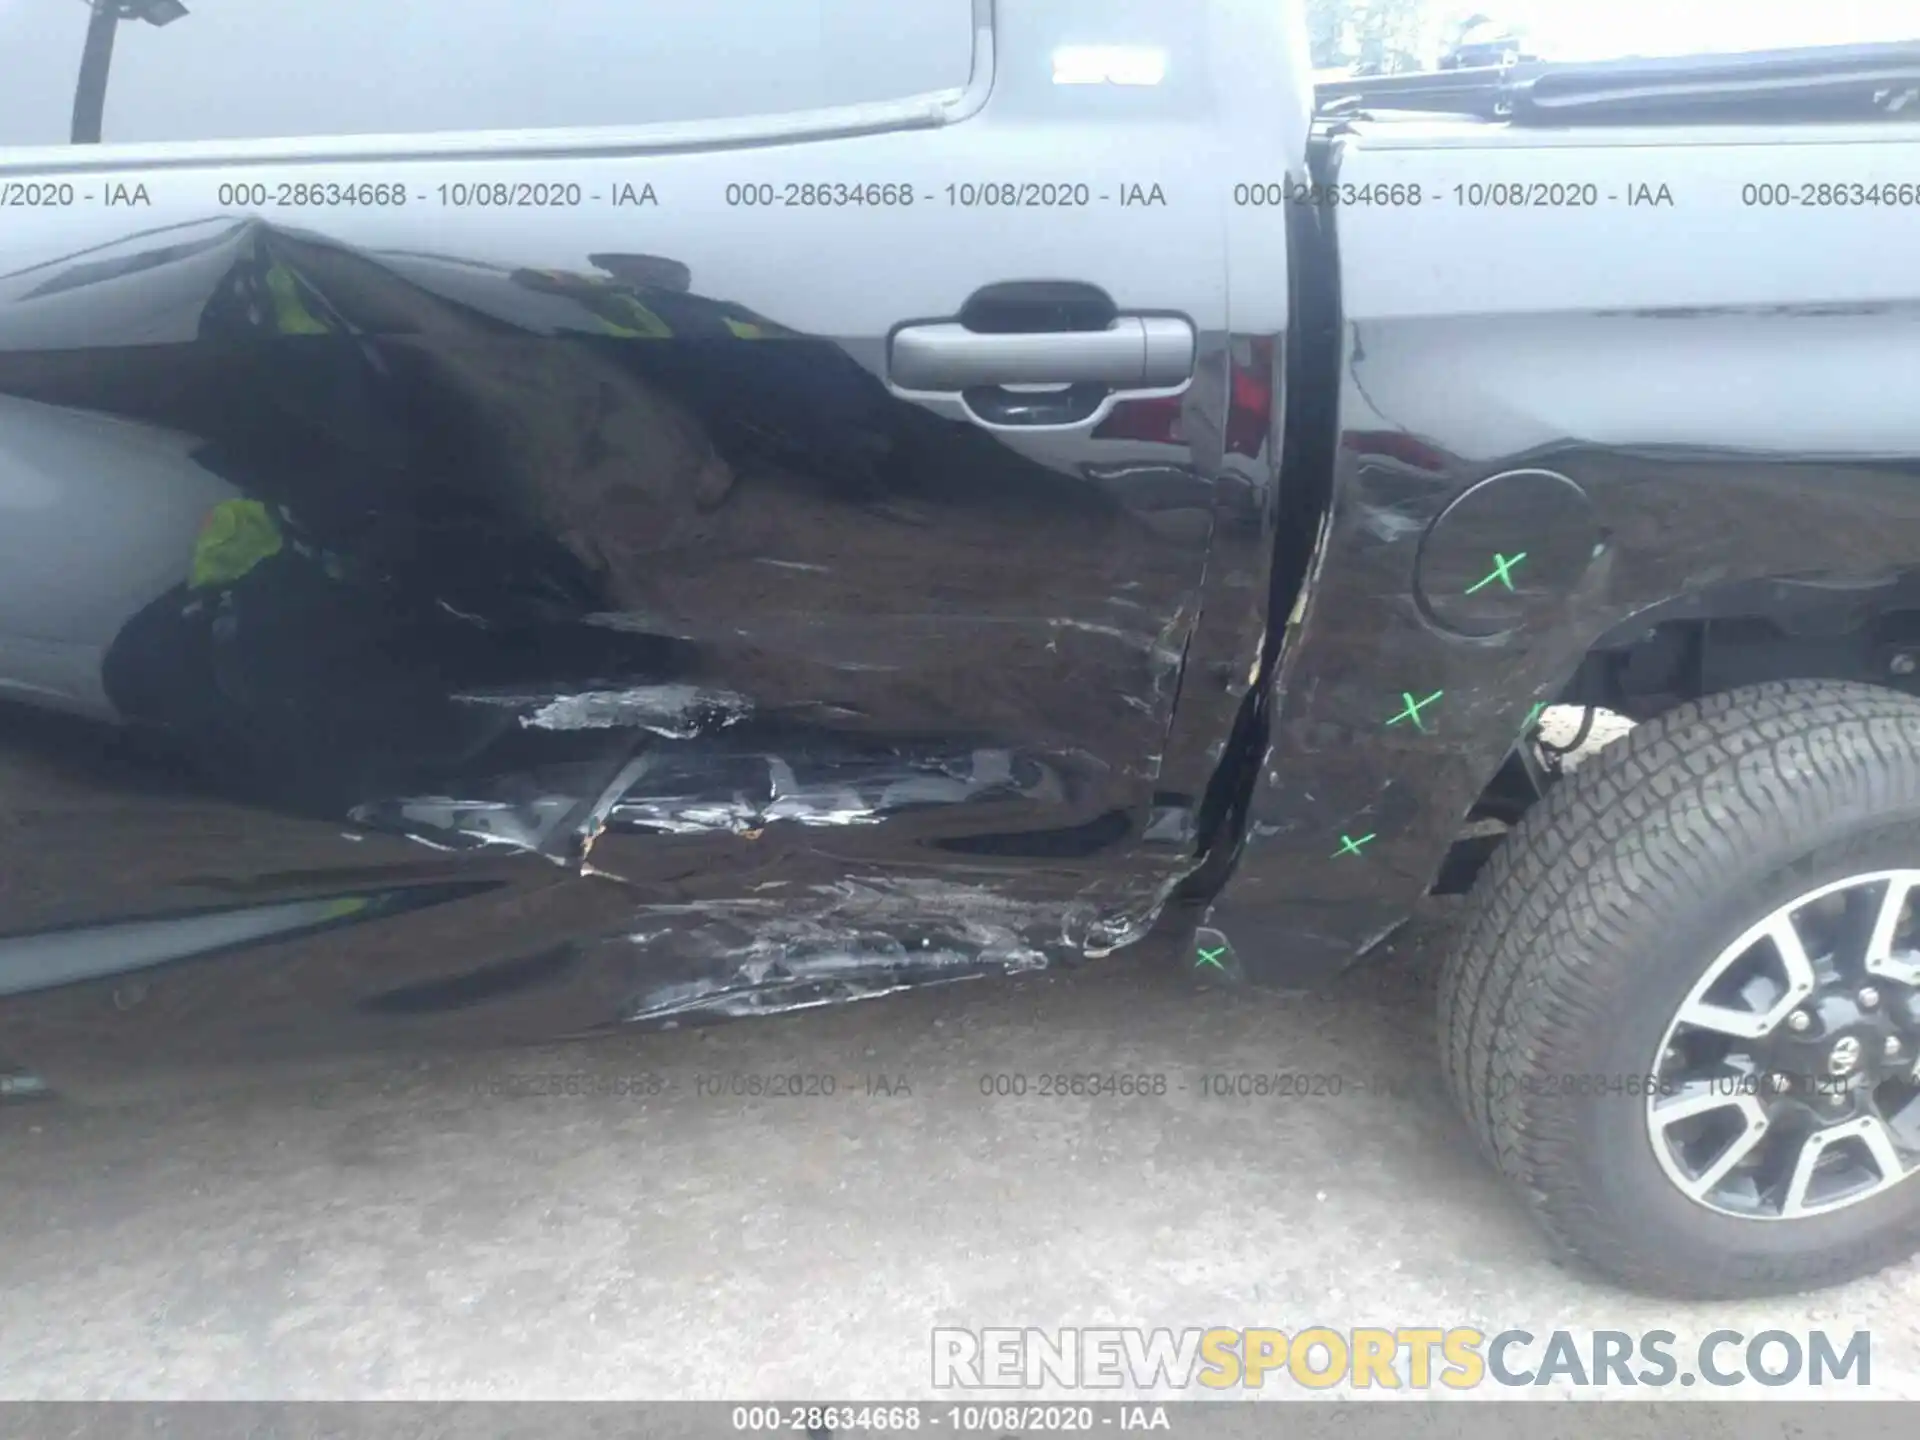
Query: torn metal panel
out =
(675, 712)
(453, 562)
(853, 940)
(742, 792)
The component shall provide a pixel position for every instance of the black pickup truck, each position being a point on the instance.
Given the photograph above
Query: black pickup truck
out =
(512, 530)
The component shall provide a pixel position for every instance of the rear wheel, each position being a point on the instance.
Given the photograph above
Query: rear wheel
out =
(1684, 1013)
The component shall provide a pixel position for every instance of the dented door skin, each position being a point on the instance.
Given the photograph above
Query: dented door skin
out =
(421, 620)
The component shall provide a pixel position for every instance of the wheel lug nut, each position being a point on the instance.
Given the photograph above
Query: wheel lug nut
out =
(1799, 1020)
(1891, 1047)
(1779, 1083)
(1868, 997)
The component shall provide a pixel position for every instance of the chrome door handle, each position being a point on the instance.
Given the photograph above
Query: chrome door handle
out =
(1135, 352)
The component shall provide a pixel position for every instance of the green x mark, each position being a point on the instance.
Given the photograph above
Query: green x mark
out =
(1351, 846)
(1211, 957)
(1533, 714)
(1502, 571)
(1413, 709)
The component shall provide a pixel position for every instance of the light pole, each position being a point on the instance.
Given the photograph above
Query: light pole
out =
(90, 94)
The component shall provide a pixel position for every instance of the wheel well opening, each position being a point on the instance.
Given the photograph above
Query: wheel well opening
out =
(1863, 629)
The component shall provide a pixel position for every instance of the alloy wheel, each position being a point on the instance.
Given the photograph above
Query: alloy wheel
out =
(1788, 1081)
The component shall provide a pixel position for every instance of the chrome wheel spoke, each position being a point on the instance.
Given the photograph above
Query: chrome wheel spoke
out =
(1793, 952)
(1880, 958)
(1878, 1140)
(1738, 1149)
(1725, 1020)
(1746, 1024)
(1794, 1202)
(1705, 1097)
(1867, 1136)
(1697, 1097)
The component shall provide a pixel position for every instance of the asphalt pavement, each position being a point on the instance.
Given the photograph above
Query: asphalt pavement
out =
(787, 1207)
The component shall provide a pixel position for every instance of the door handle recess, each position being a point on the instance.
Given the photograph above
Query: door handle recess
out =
(1135, 352)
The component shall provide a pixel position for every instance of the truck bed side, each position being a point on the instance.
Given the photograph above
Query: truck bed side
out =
(1580, 374)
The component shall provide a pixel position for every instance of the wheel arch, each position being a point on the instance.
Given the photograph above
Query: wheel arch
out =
(1862, 627)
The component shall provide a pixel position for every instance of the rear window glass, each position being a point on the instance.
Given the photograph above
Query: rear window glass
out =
(257, 69)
